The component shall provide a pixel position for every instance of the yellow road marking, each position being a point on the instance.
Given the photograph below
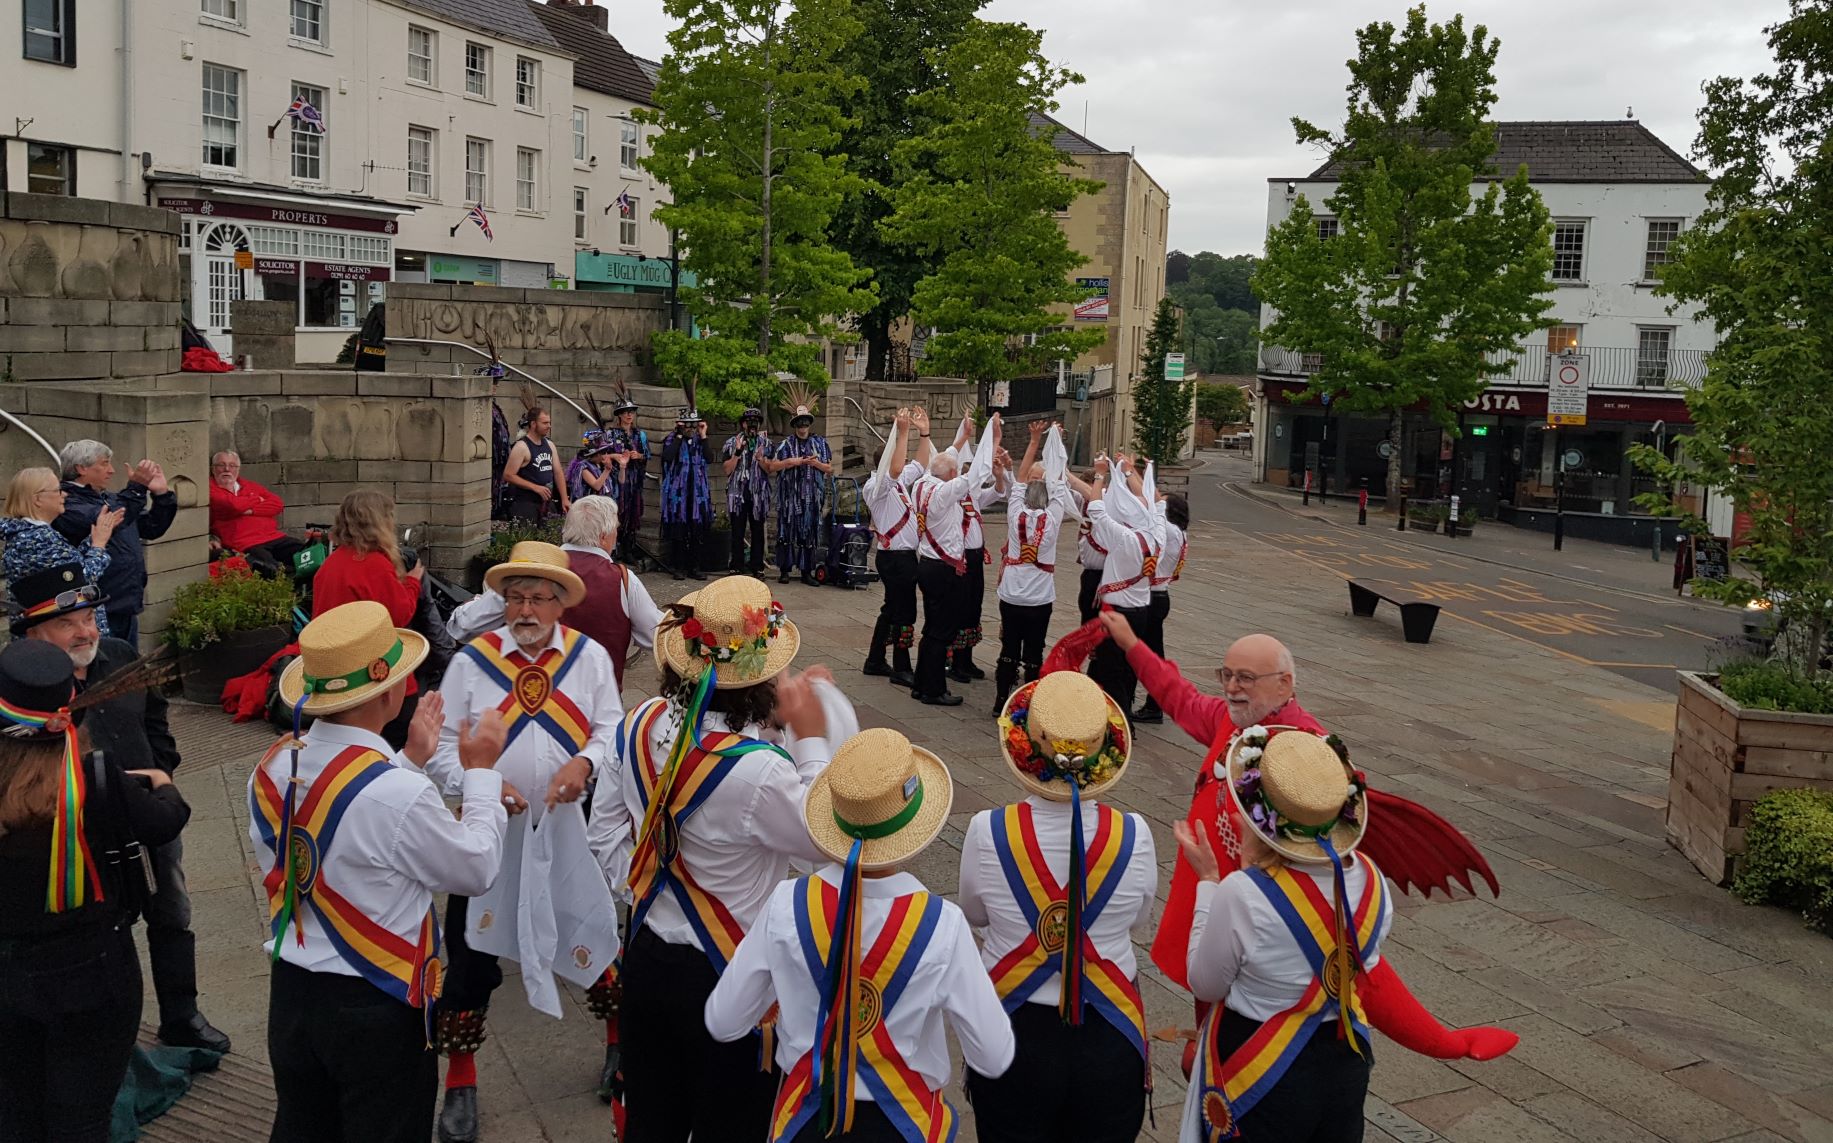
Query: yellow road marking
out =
(1654, 714)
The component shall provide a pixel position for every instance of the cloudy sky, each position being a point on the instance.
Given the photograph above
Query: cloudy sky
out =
(1204, 90)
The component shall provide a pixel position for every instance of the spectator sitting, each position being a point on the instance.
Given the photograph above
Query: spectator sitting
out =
(243, 515)
(147, 509)
(365, 564)
(33, 500)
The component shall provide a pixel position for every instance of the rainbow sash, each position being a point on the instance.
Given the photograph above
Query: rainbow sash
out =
(1045, 951)
(534, 696)
(919, 1113)
(1231, 1087)
(409, 971)
(1148, 563)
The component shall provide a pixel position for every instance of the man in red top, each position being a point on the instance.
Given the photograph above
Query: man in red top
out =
(243, 513)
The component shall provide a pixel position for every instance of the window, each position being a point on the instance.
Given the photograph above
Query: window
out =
(580, 219)
(527, 163)
(1310, 363)
(50, 170)
(477, 171)
(323, 246)
(230, 10)
(627, 221)
(580, 121)
(50, 31)
(222, 116)
(420, 55)
(1661, 235)
(1327, 228)
(477, 70)
(365, 249)
(628, 146)
(420, 161)
(308, 141)
(528, 82)
(1569, 251)
(309, 21)
(1563, 338)
(273, 240)
(1653, 345)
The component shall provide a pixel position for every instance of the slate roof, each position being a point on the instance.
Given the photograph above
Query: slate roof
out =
(1067, 142)
(509, 18)
(1580, 151)
(603, 64)
(651, 68)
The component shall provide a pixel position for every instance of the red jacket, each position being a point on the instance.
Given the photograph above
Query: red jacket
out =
(245, 518)
(348, 576)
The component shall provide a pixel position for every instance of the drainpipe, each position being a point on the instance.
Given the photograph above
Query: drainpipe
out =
(129, 161)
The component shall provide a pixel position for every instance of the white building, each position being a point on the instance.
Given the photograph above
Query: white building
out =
(430, 107)
(1618, 197)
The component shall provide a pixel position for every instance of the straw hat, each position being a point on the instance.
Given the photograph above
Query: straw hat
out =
(542, 561)
(349, 655)
(879, 788)
(1292, 784)
(736, 625)
(1064, 718)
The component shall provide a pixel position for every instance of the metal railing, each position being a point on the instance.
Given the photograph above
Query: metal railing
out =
(1621, 368)
(476, 352)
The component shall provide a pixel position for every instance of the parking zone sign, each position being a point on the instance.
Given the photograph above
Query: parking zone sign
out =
(1569, 390)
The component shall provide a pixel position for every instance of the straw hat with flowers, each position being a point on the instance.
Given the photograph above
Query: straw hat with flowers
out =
(1292, 789)
(541, 561)
(733, 625)
(1060, 729)
(880, 791)
(347, 656)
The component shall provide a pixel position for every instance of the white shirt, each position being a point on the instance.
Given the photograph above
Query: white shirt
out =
(893, 516)
(1087, 554)
(1027, 584)
(948, 980)
(939, 502)
(395, 846)
(976, 502)
(1175, 543)
(986, 897)
(738, 844)
(484, 612)
(1124, 558)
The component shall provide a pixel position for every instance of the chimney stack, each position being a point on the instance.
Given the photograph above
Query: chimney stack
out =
(592, 12)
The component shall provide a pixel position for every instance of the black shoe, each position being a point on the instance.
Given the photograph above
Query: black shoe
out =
(699, 575)
(943, 699)
(196, 1032)
(1149, 714)
(610, 1084)
(678, 574)
(970, 670)
(877, 668)
(905, 679)
(784, 578)
(960, 676)
(458, 1116)
(809, 579)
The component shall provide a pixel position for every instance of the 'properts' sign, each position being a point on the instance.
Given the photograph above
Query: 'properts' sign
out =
(278, 215)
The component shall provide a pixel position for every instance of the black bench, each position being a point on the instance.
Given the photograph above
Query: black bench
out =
(1416, 619)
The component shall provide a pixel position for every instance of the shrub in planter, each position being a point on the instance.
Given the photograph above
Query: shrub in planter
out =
(505, 537)
(1770, 684)
(228, 625)
(1788, 855)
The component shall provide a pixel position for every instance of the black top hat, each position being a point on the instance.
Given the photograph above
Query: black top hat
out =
(752, 414)
(57, 590)
(624, 405)
(37, 680)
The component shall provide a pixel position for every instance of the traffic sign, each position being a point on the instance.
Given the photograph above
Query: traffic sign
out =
(1174, 367)
(1569, 390)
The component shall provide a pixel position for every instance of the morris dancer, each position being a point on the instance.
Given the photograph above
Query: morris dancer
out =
(747, 465)
(803, 462)
(887, 493)
(961, 666)
(941, 565)
(1028, 562)
(350, 900)
(1124, 522)
(1174, 517)
(589, 472)
(861, 961)
(687, 497)
(719, 806)
(1056, 883)
(550, 909)
(630, 457)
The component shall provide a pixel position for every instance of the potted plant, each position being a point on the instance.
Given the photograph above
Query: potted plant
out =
(504, 537)
(228, 625)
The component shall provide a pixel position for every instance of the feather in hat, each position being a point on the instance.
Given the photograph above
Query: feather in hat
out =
(530, 402)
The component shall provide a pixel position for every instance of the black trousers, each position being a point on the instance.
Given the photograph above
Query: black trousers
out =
(526, 505)
(746, 521)
(941, 586)
(1109, 667)
(1022, 630)
(1152, 631)
(471, 976)
(69, 1011)
(1318, 1100)
(171, 946)
(870, 1125)
(1088, 593)
(687, 542)
(973, 593)
(1051, 1093)
(898, 572)
(679, 1080)
(350, 1062)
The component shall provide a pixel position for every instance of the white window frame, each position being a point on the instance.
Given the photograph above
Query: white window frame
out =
(528, 83)
(310, 15)
(477, 74)
(66, 159)
(308, 145)
(629, 146)
(429, 185)
(630, 225)
(230, 95)
(1327, 227)
(228, 11)
(1645, 361)
(528, 179)
(582, 219)
(582, 140)
(431, 57)
(477, 174)
(1576, 274)
(1653, 257)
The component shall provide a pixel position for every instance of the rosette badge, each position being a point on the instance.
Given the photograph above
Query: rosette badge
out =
(733, 626)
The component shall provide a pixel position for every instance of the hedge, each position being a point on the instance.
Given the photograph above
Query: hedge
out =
(1788, 855)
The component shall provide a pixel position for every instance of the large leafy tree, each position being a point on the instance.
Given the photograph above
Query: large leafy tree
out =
(1758, 262)
(748, 102)
(1425, 286)
(978, 191)
(1161, 408)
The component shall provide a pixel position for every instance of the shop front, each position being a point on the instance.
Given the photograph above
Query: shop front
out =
(624, 273)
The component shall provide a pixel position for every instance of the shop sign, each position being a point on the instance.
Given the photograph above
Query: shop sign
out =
(276, 267)
(622, 270)
(278, 215)
(346, 272)
(476, 270)
(1094, 307)
(1495, 403)
(244, 259)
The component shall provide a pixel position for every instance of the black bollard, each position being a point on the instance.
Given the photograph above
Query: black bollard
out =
(1402, 525)
(1362, 504)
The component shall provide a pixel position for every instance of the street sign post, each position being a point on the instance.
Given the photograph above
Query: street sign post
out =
(1569, 390)
(1174, 367)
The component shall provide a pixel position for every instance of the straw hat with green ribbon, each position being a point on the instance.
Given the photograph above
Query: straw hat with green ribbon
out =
(891, 797)
(347, 656)
(1292, 789)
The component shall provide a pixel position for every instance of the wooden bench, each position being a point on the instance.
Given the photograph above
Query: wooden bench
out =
(1416, 619)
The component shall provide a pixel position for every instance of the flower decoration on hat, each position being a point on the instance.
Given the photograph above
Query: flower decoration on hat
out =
(1261, 811)
(748, 647)
(1062, 758)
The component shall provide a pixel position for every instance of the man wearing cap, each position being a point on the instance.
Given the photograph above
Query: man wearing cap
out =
(802, 462)
(941, 558)
(58, 607)
(550, 909)
(746, 456)
(1064, 969)
(629, 457)
(356, 843)
(864, 943)
(687, 498)
(887, 493)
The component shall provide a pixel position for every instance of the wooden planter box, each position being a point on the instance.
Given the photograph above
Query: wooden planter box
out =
(1725, 758)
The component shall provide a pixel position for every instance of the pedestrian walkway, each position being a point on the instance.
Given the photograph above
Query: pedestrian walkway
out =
(1651, 1004)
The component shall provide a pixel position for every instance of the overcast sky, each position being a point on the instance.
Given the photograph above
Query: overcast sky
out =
(1205, 89)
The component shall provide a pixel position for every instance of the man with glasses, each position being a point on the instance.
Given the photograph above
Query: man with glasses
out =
(244, 515)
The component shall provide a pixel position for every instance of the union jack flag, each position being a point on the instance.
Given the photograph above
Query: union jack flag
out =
(476, 214)
(626, 205)
(306, 116)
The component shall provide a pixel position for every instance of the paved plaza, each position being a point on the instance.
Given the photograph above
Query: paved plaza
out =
(1651, 1004)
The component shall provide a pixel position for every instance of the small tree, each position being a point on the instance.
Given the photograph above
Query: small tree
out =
(1161, 408)
(1223, 404)
(1423, 288)
(1758, 262)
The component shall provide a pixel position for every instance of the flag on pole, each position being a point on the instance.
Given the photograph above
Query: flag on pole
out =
(626, 205)
(306, 116)
(475, 214)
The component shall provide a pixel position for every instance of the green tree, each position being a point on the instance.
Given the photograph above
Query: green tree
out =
(1425, 287)
(1223, 403)
(1758, 262)
(978, 193)
(1161, 408)
(747, 101)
